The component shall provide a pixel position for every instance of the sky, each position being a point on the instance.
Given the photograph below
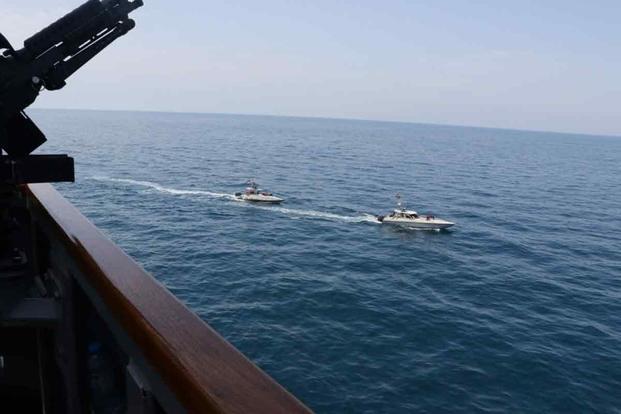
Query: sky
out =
(540, 65)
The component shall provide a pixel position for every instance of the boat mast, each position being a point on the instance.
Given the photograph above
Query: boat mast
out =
(400, 205)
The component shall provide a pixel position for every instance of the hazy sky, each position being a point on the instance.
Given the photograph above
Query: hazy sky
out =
(545, 64)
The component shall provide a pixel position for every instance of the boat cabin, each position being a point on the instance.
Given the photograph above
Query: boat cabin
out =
(404, 214)
(254, 190)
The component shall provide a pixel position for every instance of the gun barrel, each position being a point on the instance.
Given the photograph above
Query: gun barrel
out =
(55, 33)
(80, 24)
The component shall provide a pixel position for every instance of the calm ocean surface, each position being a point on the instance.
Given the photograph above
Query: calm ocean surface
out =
(515, 309)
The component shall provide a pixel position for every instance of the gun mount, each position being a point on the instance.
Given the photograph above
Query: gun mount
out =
(47, 59)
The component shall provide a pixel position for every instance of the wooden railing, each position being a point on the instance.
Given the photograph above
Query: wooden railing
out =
(203, 372)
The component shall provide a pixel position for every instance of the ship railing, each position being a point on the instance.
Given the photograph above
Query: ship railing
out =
(170, 360)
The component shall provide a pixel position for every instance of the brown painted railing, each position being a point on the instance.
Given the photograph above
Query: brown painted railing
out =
(204, 372)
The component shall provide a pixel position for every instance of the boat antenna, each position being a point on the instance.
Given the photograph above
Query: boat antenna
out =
(399, 202)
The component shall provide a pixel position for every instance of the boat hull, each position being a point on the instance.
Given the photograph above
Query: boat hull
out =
(418, 224)
(260, 199)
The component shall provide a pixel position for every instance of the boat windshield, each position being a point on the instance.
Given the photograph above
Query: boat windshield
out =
(404, 214)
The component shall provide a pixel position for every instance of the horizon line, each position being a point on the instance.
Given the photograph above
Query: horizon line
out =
(333, 119)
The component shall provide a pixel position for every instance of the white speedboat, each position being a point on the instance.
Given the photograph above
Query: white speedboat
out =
(411, 219)
(254, 194)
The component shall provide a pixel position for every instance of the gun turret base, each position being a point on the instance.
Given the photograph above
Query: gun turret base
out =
(36, 169)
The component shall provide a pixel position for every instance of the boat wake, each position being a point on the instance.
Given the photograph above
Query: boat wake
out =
(362, 218)
(163, 189)
(295, 213)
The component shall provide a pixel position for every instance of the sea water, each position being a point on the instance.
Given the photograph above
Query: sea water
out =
(515, 309)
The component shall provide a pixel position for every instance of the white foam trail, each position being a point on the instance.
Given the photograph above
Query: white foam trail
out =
(322, 215)
(163, 189)
(362, 218)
